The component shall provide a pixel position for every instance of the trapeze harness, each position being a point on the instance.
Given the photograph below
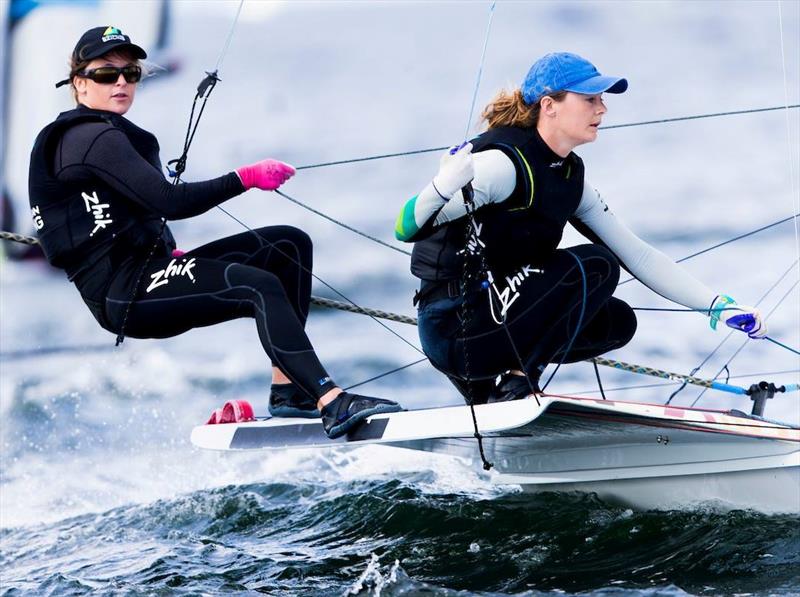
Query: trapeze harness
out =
(539, 289)
(97, 197)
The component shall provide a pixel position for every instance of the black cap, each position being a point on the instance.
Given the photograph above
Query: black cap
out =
(102, 40)
(99, 41)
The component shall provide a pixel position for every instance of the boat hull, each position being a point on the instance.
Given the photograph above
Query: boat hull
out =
(643, 455)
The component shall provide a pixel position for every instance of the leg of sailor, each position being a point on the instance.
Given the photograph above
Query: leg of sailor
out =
(541, 315)
(179, 294)
(284, 251)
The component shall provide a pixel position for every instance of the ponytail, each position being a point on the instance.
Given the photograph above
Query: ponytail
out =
(509, 109)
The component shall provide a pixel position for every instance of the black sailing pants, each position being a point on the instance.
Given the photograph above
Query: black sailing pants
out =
(265, 274)
(542, 308)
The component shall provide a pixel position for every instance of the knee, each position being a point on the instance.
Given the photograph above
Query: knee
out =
(253, 279)
(598, 260)
(626, 321)
(298, 237)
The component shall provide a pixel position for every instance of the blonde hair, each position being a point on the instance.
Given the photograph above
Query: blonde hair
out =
(76, 66)
(508, 108)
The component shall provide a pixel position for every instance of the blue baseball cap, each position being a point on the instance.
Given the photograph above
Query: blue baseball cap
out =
(562, 71)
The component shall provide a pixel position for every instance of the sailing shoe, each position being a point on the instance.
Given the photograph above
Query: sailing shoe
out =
(287, 400)
(477, 390)
(513, 387)
(347, 410)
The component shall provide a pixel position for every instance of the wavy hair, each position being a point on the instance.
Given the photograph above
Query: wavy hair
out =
(508, 108)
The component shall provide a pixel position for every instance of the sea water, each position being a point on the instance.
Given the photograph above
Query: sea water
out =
(100, 490)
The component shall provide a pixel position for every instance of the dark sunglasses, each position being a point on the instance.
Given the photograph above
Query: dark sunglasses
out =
(106, 75)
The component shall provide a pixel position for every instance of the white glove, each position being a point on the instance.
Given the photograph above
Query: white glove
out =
(739, 317)
(455, 171)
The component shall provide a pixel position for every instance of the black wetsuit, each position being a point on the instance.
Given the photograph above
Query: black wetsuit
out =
(541, 293)
(98, 195)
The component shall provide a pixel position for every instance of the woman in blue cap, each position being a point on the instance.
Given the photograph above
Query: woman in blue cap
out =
(498, 297)
(100, 203)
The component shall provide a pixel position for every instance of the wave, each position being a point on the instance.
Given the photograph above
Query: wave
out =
(327, 538)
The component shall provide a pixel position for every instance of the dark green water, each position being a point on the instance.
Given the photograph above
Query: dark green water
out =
(391, 537)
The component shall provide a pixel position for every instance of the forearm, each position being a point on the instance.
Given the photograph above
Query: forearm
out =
(494, 181)
(650, 266)
(418, 213)
(113, 159)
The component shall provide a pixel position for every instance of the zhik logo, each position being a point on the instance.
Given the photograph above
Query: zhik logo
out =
(173, 269)
(102, 216)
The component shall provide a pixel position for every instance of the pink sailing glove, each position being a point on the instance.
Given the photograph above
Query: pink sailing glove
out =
(266, 175)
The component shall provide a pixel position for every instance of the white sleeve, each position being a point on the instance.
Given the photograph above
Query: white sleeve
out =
(495, 179)
(654, 269)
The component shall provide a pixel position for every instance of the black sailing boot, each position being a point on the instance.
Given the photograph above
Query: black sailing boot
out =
(287, 400)
(347, 410)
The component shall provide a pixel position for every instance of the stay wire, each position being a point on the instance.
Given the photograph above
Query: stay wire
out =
(342, 224)
(726, 242)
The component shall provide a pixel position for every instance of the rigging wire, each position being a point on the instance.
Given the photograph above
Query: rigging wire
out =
(607, 127)
(342, 224)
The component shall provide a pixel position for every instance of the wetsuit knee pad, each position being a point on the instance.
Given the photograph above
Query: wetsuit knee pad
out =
(258, 280)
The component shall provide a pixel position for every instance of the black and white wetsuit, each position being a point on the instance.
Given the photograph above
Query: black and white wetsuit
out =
(98, 194)
(525, 194)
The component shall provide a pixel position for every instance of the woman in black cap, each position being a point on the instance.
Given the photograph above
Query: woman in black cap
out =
(499, 297)
(100, 203)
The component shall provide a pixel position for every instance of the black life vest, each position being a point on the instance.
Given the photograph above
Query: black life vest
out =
(79, 222)
(526, 228)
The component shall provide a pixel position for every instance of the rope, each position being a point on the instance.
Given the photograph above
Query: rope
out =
(18, 238)
(608, 127)
(643, 370)
(352, 308)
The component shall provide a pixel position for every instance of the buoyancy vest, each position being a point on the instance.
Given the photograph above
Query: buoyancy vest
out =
(79, 222)
(526, 228)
